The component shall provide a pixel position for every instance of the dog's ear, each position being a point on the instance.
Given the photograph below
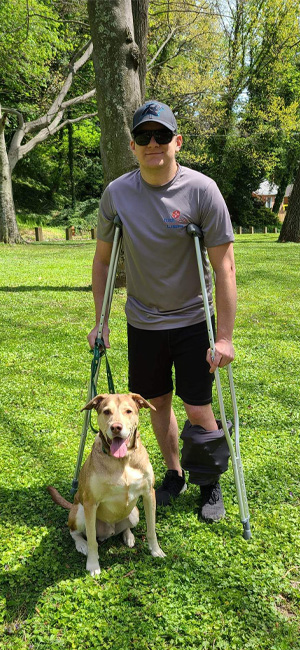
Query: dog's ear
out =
(141, 402)
(94, 403)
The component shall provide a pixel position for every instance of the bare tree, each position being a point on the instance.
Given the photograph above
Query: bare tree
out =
(119, 32)
(39, 130)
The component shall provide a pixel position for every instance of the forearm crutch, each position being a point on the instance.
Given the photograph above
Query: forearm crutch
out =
(195, 232)
(99, 348)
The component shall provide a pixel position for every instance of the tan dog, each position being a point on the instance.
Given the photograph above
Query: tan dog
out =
(115, 474)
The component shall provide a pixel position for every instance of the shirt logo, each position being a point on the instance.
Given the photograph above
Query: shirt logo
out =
(177, 220)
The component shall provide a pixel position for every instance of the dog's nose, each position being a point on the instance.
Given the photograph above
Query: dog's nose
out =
(116, 427)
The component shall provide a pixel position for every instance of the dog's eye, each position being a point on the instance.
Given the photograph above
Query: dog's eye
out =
(128, 411)
(107, 412)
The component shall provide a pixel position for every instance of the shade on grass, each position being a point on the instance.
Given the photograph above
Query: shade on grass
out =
(214, 590)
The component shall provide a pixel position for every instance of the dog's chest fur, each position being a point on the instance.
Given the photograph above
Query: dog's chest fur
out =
(116, 500)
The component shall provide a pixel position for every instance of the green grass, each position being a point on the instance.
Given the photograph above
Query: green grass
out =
(214, 590)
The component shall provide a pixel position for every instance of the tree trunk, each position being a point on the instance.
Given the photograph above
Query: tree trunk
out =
(9, 233)
(290, 230)
(140, 22)
(116, 62)
(71, 161)
(281, 192)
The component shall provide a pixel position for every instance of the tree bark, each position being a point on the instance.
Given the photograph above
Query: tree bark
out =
(9, 233)
(140, 23)
(290, 230)
(116, 59)
(71, 161)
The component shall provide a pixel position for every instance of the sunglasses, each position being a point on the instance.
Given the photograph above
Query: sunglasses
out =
(161, 136)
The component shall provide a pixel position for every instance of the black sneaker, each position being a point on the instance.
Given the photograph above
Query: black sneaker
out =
(171, 487)
(212, 505)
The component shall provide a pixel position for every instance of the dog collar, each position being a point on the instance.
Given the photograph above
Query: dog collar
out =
(105, 446)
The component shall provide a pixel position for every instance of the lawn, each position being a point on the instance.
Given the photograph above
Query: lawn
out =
(214, 590)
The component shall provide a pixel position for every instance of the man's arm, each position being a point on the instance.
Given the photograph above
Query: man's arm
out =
(222, 260)
(99, 277)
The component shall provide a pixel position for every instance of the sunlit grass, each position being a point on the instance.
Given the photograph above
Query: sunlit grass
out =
(214, 590)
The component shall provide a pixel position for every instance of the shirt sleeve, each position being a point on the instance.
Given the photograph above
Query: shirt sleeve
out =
(106, 214)
(215, 220)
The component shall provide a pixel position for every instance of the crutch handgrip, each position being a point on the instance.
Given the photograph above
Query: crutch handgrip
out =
(194, 231)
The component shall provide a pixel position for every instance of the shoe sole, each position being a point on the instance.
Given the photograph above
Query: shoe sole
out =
(211, 521)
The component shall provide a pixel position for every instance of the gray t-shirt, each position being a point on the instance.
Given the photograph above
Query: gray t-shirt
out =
(163, 285)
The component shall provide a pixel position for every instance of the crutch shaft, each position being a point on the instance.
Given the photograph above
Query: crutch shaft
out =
(105, 311)
(194, 231)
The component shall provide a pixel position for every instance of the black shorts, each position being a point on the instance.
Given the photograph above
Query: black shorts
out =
(152, 354)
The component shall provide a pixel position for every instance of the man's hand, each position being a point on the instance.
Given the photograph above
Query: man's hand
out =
(224, 354)
(94, 333)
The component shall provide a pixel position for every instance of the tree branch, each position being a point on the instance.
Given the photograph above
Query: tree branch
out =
(73, 121)
(46, 119)
(150, 64)
(79, 99)
(15, 112)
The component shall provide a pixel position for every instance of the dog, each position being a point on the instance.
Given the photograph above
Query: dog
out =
(115, 474)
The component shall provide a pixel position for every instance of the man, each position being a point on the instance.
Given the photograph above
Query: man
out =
(164, 308)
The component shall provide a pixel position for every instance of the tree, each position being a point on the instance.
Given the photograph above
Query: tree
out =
(119, 62)
(48, 124)
(290, 230)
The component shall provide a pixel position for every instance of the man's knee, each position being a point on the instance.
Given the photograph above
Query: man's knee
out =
(201, 415)
(162, 402)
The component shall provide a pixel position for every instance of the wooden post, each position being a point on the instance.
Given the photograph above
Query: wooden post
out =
(38, 233)
(93, 233)
(69, 233)
(266, 230)
(240, 230)
(275, 229)
(251, 230)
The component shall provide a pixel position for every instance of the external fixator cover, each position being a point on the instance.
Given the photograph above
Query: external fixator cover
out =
(204, 453)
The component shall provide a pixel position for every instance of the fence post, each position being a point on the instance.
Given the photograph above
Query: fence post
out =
(69, 233)
(240, 230)
(275, 229)
(251, 230)
(93, 233)
(38, 233)
(265, 230)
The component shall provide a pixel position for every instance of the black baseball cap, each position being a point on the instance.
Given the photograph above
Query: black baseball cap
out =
(156, 112)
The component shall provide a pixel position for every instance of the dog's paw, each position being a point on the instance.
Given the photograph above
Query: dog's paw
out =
(128, 538)
(95, 572)
(93, 568)
(157, 552)
(81, 546)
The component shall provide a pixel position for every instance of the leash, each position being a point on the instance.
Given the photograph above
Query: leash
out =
(98, 352)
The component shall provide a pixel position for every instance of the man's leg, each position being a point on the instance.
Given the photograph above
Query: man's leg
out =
(165, 428)
(201, 415)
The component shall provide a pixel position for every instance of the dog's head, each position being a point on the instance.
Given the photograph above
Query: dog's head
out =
(118, 417)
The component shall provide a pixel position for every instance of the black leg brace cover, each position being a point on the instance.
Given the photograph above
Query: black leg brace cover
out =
(204, 453)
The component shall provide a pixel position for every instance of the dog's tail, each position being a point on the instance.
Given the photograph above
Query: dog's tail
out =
(57, 498)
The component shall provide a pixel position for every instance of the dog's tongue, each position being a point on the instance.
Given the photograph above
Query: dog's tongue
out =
(118, 447)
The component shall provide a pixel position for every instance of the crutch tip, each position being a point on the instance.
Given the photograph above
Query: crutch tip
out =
(246, 531)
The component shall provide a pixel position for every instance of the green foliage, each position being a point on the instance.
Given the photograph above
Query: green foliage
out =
(83, 216)
(37, 39)
(213, 591)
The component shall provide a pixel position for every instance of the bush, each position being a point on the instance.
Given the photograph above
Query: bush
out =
(257, 215)
(83, 217)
